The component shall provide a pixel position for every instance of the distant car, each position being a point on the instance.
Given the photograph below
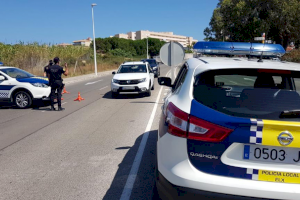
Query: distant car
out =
(230, 129)
(22, 88)
(133, 77)
(154, 65)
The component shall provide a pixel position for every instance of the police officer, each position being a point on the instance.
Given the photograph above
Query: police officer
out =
(54, 73)
(47, 67)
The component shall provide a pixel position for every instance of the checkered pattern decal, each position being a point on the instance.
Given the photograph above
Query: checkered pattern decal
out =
(252, 174)
(4, 94)
(256, 131)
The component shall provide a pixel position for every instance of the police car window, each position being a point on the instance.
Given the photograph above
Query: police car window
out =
(180, 77)
(132, 69)
(251, 93)
(16, 73)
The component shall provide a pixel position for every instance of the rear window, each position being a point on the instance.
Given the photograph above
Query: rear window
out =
(251, 93)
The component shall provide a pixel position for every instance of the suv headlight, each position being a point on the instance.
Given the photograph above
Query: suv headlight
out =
(142, 80)
(42, 85)
(115, 81)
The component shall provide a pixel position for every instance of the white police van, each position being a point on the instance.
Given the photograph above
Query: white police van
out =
(230, 127)
(22, 88)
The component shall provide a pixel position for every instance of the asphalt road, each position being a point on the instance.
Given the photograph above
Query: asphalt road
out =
(84, 152)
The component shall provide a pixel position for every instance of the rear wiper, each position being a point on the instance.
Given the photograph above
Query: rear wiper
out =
(290, 114)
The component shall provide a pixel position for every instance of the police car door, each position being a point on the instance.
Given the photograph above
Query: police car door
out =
(151, 73)
(5, 87)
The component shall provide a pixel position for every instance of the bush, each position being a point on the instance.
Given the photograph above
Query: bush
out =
(293, 56)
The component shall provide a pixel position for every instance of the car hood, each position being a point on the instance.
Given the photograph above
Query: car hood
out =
(130, 76)
(35, 79)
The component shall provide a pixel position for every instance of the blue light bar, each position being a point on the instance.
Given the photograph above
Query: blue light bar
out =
(239, 48)
(1, 64)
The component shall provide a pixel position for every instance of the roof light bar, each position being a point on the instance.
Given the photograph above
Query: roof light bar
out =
(239, 48)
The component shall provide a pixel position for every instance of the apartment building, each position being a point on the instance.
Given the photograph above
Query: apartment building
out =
(163, 36)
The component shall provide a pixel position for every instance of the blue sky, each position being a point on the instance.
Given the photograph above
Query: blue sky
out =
(57, 21)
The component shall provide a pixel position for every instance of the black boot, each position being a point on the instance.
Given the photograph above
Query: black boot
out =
(60, 108)
(52, 108)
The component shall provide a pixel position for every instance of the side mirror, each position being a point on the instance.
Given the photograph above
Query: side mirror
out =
(113, 72)
(2, 78)
(165, 81)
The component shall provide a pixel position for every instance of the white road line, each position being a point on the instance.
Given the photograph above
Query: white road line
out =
(249, 79)
(138, 157)
(233, 82)
(103, 88)
(64, 103)
(90, 83)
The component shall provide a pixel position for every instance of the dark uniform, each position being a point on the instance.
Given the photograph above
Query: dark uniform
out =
(55, 82)
(47, 67)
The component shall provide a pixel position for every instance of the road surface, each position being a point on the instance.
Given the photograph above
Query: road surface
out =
(84, 152)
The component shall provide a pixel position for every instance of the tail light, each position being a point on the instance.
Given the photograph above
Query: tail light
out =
(183, 125)
(206, 131)
(177, 121)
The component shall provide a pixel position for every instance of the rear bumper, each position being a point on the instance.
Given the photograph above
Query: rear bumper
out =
(167, 190)
(174, 165)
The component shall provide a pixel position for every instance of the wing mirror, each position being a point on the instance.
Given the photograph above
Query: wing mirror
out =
(113, 72)
(165, 81)
(2, 78)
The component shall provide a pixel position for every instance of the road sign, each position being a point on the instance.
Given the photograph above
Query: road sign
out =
(172, 54)
(259, 38)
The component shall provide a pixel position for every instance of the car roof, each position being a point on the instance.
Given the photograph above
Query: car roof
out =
(212, 63)
(5, 67)
(134, 63)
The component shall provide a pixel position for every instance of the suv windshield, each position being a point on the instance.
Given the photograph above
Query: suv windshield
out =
(252, 93)
(16, 73)
(152, 62)
(132, 69)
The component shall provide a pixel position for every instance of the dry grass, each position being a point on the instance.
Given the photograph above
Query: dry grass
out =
(34, 57)
(293, 56)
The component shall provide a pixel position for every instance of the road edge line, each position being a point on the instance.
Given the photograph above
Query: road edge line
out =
(138, 157)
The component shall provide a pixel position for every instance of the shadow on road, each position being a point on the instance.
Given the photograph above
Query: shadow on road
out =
(143, 186)
(108, 95)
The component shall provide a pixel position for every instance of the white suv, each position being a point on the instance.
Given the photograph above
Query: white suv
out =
(133, 77)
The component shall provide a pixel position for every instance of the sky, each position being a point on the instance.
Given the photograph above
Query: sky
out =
(63, 21)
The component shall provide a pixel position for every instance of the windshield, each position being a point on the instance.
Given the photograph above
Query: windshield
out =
(152, 62)
(16, 73)
(252, 93)
(132, 69)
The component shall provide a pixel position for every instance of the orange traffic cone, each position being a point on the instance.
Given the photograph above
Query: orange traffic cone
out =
(79, 98)
(65, 91)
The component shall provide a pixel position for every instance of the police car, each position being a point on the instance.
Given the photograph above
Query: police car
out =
(133, 77)
(230, 127)
(22, 88)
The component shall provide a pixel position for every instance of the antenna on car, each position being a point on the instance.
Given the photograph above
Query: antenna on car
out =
(260, 58)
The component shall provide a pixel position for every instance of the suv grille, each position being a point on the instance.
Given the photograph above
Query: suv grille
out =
(128, 82)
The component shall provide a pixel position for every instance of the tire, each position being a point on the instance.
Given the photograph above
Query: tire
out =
(114, 94)
(22, 100)
(148, 93)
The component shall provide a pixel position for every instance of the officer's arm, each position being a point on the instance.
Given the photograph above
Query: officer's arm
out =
(67, 70)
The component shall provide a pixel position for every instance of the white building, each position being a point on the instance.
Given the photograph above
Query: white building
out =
(163, 36)
(85, 43)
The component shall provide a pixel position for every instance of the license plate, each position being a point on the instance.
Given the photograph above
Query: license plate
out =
(128, 88)
(272, 154)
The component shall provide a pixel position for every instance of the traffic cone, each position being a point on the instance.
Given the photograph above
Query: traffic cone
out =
(79, 98)
(65, 91)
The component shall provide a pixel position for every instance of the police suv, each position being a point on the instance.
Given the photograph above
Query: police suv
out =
(22, 88)
(133, 77)
(230, 127)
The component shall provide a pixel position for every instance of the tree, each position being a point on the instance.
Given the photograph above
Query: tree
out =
(242, 20)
